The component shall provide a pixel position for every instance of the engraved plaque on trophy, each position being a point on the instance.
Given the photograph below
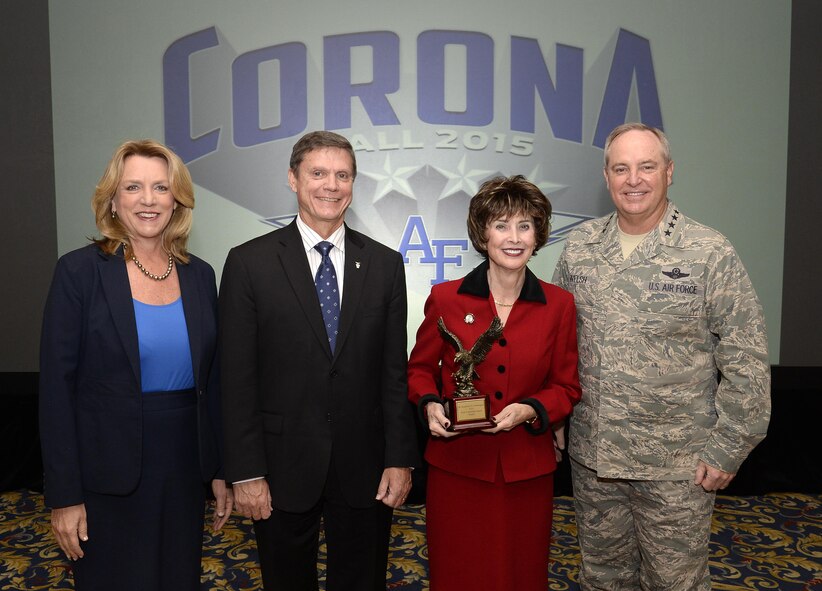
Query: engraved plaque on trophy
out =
(468, 409)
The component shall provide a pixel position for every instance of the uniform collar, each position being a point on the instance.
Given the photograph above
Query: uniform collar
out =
(668, 232)
(476, 284)
(670, 227)
(606, 228)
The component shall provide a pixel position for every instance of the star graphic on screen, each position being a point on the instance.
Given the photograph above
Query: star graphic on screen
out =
(465, 181)
(392, 179)
(545, 186)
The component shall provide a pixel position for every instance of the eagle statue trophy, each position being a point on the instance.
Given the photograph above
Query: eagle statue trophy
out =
(468, 359)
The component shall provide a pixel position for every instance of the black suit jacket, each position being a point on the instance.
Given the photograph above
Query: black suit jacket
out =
(288, 404)
(90, 393)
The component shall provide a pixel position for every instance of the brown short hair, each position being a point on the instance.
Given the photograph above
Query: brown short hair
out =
(502, 197)
(175, 234)
(625, 127)
(316, 140)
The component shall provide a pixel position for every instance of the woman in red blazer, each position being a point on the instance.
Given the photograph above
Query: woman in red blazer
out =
(490, 491)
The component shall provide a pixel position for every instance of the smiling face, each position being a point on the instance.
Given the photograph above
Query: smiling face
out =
(143, 201)
(324, 183)
(510, 241)
(638, 177)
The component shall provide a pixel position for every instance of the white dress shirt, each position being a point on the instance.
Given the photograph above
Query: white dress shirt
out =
(337, 254)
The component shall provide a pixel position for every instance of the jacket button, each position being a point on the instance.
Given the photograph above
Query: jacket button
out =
(328, 417)
(498, 395)
(333, 373)
(501, 369)
(502, 342)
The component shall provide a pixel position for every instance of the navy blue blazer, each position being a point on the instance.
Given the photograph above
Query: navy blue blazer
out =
(90, 391)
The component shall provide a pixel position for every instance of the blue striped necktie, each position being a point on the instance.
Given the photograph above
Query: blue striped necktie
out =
(328, 293)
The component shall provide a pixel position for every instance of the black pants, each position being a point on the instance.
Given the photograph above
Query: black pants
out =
(356, 541)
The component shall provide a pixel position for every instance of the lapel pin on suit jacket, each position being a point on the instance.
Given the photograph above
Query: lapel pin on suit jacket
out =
(357, 264)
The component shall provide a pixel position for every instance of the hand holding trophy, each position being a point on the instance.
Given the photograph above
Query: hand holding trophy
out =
(468, 409)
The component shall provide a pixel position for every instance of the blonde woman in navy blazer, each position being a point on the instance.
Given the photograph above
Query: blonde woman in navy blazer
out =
(488, 514)
(129, 386)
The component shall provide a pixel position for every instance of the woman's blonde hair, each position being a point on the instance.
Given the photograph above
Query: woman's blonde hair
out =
(175, 234)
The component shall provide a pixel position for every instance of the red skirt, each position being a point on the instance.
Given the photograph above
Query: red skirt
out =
(487, 536)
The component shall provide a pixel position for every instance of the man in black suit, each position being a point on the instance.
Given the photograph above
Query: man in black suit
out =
(314, 395)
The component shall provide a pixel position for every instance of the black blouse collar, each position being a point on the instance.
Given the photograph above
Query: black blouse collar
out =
(476, 284)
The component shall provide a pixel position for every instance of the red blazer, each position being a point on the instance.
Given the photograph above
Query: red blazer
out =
(534, 362)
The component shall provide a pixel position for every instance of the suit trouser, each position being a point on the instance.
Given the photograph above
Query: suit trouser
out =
(356, 541)
(642, 534)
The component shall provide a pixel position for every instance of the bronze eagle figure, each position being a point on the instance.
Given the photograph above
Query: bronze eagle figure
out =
(466, 359)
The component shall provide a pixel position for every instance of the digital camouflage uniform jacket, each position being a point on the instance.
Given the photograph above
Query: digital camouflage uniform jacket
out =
(673, 356)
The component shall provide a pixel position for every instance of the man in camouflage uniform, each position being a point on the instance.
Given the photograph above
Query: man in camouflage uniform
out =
(674, 371)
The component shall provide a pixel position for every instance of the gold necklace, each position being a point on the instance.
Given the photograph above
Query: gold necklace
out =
(503, 305)
(148, 273)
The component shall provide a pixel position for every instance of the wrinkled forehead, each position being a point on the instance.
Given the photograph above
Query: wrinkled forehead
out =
(635, 146)
(328, 157)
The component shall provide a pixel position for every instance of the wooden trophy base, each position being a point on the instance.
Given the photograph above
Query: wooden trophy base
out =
(469, 413)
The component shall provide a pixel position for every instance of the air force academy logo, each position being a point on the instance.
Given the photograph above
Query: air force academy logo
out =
(466, 107)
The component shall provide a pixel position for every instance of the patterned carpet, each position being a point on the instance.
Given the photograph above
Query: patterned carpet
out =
(757, 543)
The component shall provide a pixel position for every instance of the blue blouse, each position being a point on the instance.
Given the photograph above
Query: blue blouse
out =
(165, 353)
